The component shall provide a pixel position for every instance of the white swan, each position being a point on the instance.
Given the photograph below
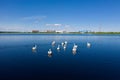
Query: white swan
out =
(62, 44)
(34, 48)
(49, 52)
(75, 46)
(58, 48)
(65, 42)
(88, 44)
(53, 43)
(74, 49)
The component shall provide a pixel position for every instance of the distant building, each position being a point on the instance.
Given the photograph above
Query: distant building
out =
(51, 31)
(59, 31)
(35, 31)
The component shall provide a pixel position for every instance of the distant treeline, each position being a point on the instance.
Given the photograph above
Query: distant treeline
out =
(9, 32)
(104, 32)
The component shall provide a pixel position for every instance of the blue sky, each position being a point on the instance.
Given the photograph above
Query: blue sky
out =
(69, 15)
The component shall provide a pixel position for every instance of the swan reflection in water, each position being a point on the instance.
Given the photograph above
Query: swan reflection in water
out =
(74, 53)
(49, 55)
(58, 51)
(34, 51)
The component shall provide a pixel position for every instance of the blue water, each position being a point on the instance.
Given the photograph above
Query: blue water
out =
(100, 61)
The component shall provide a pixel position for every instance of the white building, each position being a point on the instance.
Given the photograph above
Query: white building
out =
(59, 31)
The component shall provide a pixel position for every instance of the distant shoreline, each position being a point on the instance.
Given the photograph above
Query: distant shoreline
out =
(60, 33)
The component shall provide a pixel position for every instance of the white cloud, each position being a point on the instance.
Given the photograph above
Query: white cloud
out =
(47, 24)
(13, 28)
(67, 26)
(57, 24)
(54, 25)
(35, 19)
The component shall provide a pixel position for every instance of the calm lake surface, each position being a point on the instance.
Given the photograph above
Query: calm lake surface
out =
(100, 61)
